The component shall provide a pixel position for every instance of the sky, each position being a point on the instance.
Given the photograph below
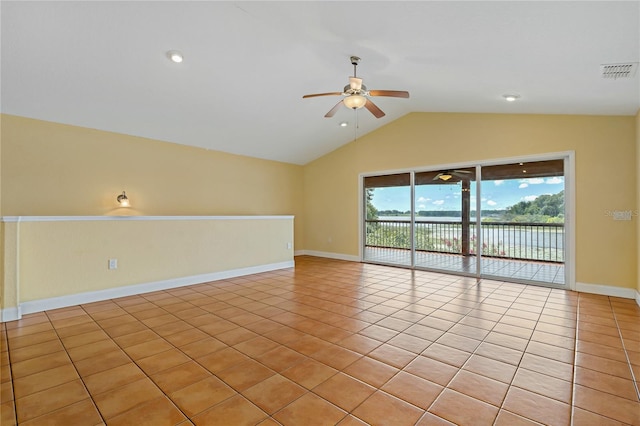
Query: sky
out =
(496, 194)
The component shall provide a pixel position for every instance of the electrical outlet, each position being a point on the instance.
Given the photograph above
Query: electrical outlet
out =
(622, 215)
(113, 263)
(289, 246)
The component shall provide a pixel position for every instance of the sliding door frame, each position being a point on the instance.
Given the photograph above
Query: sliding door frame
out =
(569, 190)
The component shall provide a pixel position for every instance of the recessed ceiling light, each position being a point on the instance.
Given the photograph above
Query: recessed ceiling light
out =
(511, 98)
(344, 124)
(175, 56)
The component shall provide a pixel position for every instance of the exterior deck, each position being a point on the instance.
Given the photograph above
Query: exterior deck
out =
(517, 270)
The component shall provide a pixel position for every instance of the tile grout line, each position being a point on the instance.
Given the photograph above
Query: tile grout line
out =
(624, 348)
(475, 352)
(575, 363)
(13, 390)
(131, 360)
(53, 328)
(93, 402)
(511, 385)
(237, 392)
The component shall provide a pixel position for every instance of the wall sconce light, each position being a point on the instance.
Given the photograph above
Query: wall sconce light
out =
(123, 200)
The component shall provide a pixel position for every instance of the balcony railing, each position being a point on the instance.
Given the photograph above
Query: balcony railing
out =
(528, 241)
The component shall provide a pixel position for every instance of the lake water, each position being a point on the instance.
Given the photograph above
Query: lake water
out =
(532, 237)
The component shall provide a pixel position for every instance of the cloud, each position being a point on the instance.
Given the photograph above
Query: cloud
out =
(554, 180)
(491, 203)
(523, 185)
(498, 182)
(422, 206)
(532, 181)
(529, 198)
(438, 202)
(423, 200)
(483, 199)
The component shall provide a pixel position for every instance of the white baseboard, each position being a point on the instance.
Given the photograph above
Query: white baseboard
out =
(608, 290)
(30, 307)
(338, 256)
(10, 314)
(638, 297)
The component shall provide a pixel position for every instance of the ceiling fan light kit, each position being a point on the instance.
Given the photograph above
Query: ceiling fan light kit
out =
(354, 101)
(445, 176)
(356, 94)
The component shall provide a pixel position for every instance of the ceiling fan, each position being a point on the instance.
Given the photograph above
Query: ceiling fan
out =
(445, 176)
(356, 94)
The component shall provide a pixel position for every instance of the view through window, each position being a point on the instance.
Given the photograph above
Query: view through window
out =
(512, 228)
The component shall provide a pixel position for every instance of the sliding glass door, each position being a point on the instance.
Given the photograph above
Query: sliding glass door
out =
(444, 220)
(523, 221)
(388, 221)
(503, 221)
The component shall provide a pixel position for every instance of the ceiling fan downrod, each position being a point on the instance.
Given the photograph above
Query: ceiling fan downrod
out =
(355, 61)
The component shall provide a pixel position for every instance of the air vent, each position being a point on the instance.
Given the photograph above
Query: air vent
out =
(616, 71)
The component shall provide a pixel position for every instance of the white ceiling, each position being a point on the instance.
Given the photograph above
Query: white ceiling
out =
(247, 64)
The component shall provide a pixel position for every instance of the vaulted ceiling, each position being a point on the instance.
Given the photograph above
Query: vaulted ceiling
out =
(247, 65)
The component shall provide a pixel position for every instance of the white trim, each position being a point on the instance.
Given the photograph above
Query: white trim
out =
(112, 293)
(338, 256)
(608, 290)
(638, 297)
(361, 212)
(570, 220)
(10, 314)
(134, 218)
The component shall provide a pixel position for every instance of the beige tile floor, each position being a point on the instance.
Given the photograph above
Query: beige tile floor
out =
(329, 342)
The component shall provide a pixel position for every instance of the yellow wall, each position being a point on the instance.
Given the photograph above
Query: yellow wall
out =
(61, 258)
(604, 147)
(51, 169)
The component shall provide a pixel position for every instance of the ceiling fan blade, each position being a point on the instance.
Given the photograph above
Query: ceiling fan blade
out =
(437, 176)
(355, 83)
(322, 94)
(461, 171)
(391, 93)
(333, 110)
(373, 109)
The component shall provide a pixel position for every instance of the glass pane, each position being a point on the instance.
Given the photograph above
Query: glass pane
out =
(445, 222)
(387, 234)
(523, 221)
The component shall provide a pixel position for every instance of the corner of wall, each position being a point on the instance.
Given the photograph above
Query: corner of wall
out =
(9, 268)
(637, 212)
